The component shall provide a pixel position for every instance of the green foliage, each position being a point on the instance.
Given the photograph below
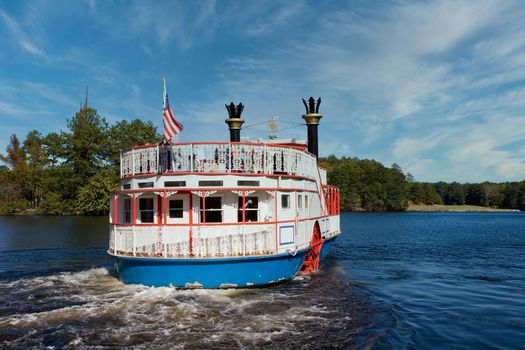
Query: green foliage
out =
(475, 194)
(424, 193)
(126, 134)
(36, 161)
(93, 198)
(13, 207)
(367, 184)
(53, 204)
(70, 172)
(86, 144)
(504, 195)
(510, 195)
(521, 196)
(454, 194)
(494, 194)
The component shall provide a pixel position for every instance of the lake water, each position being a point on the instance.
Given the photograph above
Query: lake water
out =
(393, 280)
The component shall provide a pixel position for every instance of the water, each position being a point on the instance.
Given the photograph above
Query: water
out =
(405, 280)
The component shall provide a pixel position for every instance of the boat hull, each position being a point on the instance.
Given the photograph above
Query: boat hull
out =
(327, 246)
(209, 273)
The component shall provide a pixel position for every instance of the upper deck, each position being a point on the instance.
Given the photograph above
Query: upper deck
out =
(219, 158)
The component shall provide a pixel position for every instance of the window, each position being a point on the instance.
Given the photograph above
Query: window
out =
(176, 208)
(211, 209)
(126, 186)
(300, 201)
(251, 209)
(146, 210)
(145, 184)
(247, 183)
(285, 201)
(210, 183)
(306, 201)
(174, 183)
(127, 210)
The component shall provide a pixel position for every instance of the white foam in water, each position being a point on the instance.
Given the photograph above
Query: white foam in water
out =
(99, 309)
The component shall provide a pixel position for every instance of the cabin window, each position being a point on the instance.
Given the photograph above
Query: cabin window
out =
(211, 209)
(126, 186)
(248, 183)
(251, 209)
(146, 210)
(174, 183)
(210, 183)
(176, 208)
(145, 184)
(306, 201)
(300, 201)
(285, 201)
(127, 210)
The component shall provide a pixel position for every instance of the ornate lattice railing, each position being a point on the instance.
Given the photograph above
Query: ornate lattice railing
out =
(218, 157)
(209, 241)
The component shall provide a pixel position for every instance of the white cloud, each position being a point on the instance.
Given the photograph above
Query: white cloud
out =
(20, 36)
(413, 68)
(434, 86)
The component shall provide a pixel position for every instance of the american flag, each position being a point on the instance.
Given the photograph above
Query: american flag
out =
(171, 126)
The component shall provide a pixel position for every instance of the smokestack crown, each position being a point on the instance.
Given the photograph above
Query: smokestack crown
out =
(312, 118)
(235, 121)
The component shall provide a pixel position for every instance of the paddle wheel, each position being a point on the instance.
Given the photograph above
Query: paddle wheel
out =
(312, 257)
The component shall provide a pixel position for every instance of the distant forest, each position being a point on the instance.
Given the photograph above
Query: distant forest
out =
(367, 185)
(72, 173)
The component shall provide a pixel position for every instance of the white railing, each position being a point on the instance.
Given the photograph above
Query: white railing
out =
(206, 241)
(218, 157)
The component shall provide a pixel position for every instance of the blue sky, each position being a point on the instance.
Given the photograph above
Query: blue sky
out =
(437, 87)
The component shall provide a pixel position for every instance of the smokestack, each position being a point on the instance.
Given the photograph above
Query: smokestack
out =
(312, 118)
(235, 121)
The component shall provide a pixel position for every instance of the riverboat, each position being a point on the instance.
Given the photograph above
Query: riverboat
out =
(223, 214)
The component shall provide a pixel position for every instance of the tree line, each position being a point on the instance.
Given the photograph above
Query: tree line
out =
(367, 185)
(70, 172)
(73, 171)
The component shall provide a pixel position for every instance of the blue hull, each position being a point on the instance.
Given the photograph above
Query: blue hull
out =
(327, 245)
(209, 273)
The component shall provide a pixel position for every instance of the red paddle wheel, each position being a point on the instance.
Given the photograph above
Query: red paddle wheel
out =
(311, 259)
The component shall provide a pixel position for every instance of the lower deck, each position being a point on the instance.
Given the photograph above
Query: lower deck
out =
(219, 222)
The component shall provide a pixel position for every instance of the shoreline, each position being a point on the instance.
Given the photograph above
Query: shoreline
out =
(412, 208)
(457, 208)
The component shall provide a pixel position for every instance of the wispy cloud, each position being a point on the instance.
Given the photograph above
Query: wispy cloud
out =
(436, 86)
(403, 70)
(20, 36)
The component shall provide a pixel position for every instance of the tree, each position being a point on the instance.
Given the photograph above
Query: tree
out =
(510, 195)
(124, 134)
(476, 195)
(494, 194)
(36, 162)
(454, 194)
(93, 198)
(87, 143)
(54, 146)
(367, 184)
(15, 174)
(15, 157)
(521, 196)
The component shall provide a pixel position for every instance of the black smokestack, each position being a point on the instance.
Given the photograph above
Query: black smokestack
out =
(235, 121)
(312, 118)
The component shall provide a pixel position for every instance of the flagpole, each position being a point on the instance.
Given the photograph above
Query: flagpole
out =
(169, 121)
(164, 93)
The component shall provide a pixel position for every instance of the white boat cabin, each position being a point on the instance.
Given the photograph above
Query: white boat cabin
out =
(220, 200)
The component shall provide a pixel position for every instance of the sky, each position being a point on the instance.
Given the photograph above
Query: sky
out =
(437, 87)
